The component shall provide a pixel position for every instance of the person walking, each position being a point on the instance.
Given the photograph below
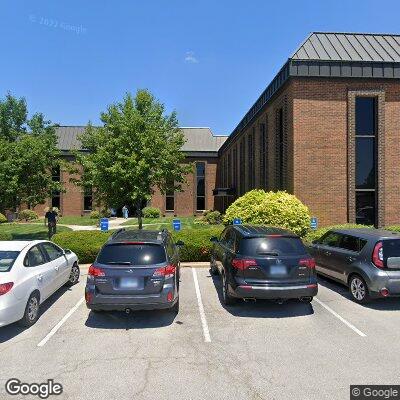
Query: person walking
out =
(50, 220)
(125, 212)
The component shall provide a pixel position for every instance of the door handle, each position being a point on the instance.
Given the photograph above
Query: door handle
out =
(328, 253)
(40, 277)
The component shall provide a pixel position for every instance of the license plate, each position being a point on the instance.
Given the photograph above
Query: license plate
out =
(129, 283)
(393, 262)
(278, 270)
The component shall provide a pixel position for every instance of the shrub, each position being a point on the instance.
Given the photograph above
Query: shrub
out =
(393, 228)
(3, 218)
(5, 236)
(86, 244)
(151, 212)
(197, 243)
(95, 214)
(316, 234)
(279, 209)
(28, 215)
(213, 217)
(105, 213)
(200, 221)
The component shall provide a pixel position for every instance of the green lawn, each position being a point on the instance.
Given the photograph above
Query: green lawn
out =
(165, 222)
(28, 232)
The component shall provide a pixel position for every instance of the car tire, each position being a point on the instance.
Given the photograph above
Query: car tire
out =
(359, 289)
(74, 275)
(213, 268)
(226, 297)
(31, 314)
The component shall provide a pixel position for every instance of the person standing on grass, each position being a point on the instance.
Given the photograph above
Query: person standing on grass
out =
(50, 219)
(125, 212)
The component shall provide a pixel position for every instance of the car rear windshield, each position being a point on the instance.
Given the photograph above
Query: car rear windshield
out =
(391, 248)
(7, 259)
(272, 246)
(131, 254)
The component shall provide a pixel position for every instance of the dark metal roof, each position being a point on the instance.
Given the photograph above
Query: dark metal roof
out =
(260, 230)
(199, 141)
(141, 235)
(369, 232)
(332, 55)
(334, 46)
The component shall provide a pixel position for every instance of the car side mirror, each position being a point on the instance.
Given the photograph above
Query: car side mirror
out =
(214, 239)
(179, 243)
(67, 251)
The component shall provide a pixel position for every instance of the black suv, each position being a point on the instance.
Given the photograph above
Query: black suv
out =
(135, 270)
(258, 262)
(367, 260)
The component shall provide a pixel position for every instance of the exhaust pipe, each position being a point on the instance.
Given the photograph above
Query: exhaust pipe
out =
(249, 299)
(127, 311)
(279, 301)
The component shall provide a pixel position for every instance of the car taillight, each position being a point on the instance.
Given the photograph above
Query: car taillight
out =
(308, 262)
(94, 271)
(243, 263)
(166, 272)
(377, 255)
(5, 287)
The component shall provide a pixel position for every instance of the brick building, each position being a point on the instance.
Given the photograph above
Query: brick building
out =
(201, 149)
(325, 129)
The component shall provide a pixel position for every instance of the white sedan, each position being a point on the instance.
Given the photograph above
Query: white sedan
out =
(30, 272)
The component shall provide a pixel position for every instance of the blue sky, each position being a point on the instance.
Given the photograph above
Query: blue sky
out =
(208, 60)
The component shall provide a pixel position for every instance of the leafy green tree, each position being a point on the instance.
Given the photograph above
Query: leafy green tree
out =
(28, 154)
(137, 149)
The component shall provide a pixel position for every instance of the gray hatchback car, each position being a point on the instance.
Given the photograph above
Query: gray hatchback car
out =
(366, 260)
(135, 270)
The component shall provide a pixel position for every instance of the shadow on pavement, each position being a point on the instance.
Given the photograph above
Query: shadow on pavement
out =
(388, 304)
(10, 331)
(134, 320)
(263, 308)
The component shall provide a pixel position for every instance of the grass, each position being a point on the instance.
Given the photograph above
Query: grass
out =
(71, 220)
(164, 222)
(28, 232)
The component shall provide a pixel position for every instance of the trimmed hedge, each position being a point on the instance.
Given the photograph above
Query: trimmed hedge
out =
(28, 215)
(151, 212)
(5, 236)
(3, 218)
(314, 235)
(86, 244)
(393, 228)
(279, 209)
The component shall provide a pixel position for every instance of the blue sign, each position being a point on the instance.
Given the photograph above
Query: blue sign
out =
(237, 221)
(176, 224)
(104, 224)
(314, 223)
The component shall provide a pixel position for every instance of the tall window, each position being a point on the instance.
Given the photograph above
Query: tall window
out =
(56, 195)
(170, 196)
(242, 176)
(234, 169)
(263, 156)
(250, 148)
(366, 128)
(87, 198)
(280, 151)
(201, 186)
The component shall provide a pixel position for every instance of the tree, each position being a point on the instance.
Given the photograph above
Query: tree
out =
(137, 149)
(28, 154)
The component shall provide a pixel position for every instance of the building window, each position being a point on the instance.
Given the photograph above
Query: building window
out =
(241, 166)
(250, 149)
(365, 156)
(200, 186)
(280, 164)
(263, 157)
(170, 196)
(87, 198)
(56, 194)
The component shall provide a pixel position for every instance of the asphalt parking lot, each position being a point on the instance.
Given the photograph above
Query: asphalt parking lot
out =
(249, 351)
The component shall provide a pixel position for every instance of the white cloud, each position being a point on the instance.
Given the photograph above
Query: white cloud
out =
(190, 58)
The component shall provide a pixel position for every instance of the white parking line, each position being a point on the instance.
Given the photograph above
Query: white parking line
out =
(58, 326)
(340, 318)
(204, 324)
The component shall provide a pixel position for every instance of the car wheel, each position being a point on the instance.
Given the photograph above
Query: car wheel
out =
(31, 314)
(226, 297)
(213, 268)
(74, 275)
(359, 289)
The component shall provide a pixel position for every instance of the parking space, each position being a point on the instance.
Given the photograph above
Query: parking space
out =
(257, 350)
